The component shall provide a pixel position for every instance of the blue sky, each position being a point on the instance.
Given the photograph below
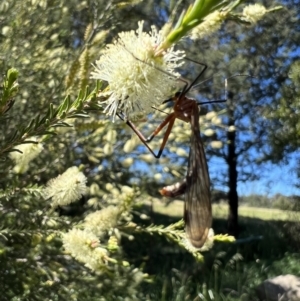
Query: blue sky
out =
(277, 179)
(274, 178)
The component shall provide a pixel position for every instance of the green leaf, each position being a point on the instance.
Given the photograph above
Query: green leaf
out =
(64, 107)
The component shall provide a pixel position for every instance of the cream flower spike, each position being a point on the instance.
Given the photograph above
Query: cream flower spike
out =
(138, 77)
(67, 188)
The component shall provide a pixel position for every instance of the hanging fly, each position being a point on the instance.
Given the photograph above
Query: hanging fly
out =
(197, 202)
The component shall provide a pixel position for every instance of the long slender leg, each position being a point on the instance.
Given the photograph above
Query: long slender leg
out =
(166, 136)
(197, 77)
(170, 119)
(138, 133)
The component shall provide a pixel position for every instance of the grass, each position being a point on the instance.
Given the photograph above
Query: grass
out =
(230, 271)
(175, 209)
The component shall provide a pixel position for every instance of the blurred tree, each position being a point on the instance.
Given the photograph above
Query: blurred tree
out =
(255, 200)
(283, 115)
(283, 112)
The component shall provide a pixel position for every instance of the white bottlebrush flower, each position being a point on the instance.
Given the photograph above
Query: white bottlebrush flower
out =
(210, 24)
(216, 144)
(127, 190)
(231, 128)
(216, 120)
(6, 30)
(29, 152)
(66, 188)
(84, 246)
(138, 77)
(157, 176)
(148, 158)
(254, 12)
(181, 152)
(210, 115)
(130, 144)
(103, 220)
(209, 132)
(111, 136)
(126, 163)
(108, 149)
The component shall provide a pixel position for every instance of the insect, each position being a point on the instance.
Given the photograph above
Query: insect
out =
(197, 201)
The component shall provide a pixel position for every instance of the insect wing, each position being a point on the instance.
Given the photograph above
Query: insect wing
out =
(197, 205)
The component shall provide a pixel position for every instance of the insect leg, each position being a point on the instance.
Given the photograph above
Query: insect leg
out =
(168, 120)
